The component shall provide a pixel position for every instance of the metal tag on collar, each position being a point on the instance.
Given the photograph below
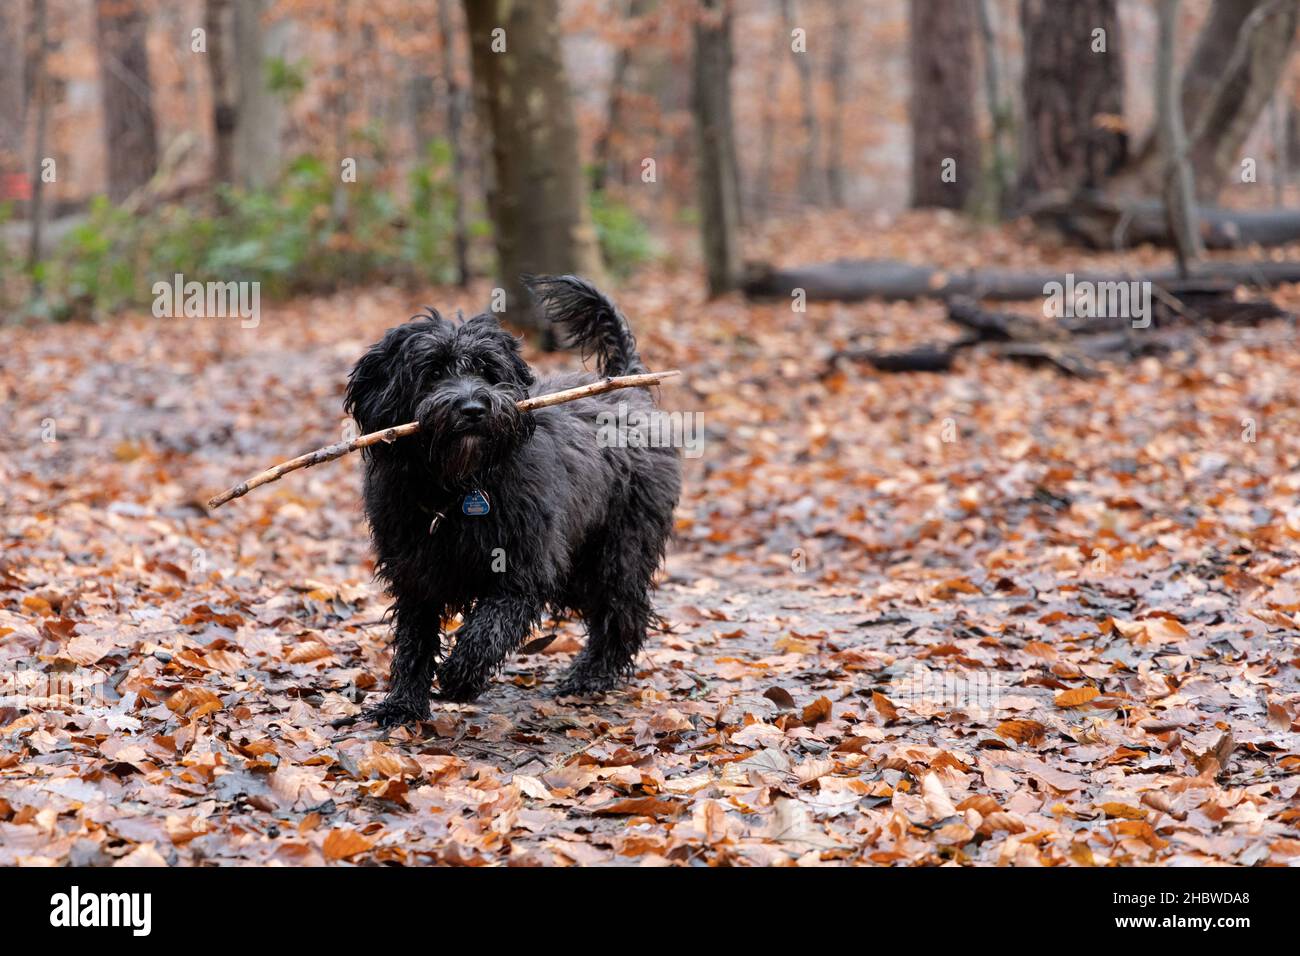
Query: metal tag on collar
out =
(475, 504)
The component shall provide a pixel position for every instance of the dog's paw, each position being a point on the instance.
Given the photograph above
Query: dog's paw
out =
(389, 713)
(458, 684)
(584, 682)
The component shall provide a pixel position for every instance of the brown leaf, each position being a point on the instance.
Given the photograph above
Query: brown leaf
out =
(1022, 731)
(817, 711)
(641, 807)
(884, 706)
(1077, 697)
(340, 844)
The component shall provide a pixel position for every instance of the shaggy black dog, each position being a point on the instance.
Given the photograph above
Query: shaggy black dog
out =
(501, 516)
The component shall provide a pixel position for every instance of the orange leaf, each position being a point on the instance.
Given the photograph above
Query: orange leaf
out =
(884, 706)
(1021, 731)
(1077, 697)
(341, 844)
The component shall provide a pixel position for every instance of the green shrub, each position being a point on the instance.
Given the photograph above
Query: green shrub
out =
(625, 242)
(309, 233)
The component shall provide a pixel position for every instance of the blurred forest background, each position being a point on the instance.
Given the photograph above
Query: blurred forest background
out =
(141, 138)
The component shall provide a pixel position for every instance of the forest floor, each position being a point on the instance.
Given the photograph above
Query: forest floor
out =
(993, 616)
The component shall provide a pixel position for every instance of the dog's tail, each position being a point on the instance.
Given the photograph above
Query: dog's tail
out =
(589, 321)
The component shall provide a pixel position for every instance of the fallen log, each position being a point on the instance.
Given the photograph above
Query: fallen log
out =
(1104, 223)
(852, 280)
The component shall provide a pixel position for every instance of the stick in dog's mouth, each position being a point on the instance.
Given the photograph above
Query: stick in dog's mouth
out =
(339, 449)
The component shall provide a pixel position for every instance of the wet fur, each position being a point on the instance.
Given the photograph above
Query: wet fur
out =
(582, 528)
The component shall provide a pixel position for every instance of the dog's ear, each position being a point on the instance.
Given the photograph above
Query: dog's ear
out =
(373, 394)
(383, 386)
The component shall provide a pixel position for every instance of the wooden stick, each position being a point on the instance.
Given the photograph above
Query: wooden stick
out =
(339, 449)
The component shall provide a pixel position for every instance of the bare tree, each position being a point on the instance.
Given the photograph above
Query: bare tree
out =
(607, 161)
(945, 147)
(839, 70)
(41, 93)
(127, 96)
(1180, 199)
(1001, 120)
(809, 189)
(719, 191)
(1073, 83)
(762, 189)
(259, 108)
(537, 198)
(13, 98)
(456, 140)
(216, 24)
(1242, 88)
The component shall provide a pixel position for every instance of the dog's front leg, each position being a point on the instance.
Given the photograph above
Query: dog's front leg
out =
(416, 642)
(495, 627)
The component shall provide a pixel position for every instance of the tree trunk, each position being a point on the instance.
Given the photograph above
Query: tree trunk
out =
(216, 23)
(121, 26)
(537, 199)
(456, 140)
(809, 189)
(1238, 59)
(1180, 199)
(1213, 49)
(1071, 87)
(1001, 120)
(718, 187)
(1241, 90)
(945, 147)
(40, 81)
(606, 161)
(838, 70)
(762, 191)
(13, 100)
(259, 108)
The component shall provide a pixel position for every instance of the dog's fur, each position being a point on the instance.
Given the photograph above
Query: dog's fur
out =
(579, 527)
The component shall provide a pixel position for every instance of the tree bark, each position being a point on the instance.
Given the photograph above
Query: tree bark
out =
(762, 191)
(121, 27)
(259, 109)
(40, 81)
(1180, 199)
(13, 99)
(537, 198)
(1243, 88)
(1070, 88)
(1001, 120)
(216, 23)
(718, 187)
(945, 147)
(456, 140)
(838, 70)
(809, 187)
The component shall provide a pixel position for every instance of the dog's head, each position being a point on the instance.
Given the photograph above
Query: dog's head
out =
(459, 381)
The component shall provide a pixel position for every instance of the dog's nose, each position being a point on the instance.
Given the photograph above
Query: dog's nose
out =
(472, 409)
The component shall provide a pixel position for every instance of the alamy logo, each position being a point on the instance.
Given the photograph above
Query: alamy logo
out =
(208, 300)
(103, 909)
(638, 428)
(1086, 299)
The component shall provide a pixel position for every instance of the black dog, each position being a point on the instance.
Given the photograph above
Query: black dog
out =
(499, 515)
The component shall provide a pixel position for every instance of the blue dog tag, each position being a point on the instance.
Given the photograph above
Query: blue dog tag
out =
(475, 504)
